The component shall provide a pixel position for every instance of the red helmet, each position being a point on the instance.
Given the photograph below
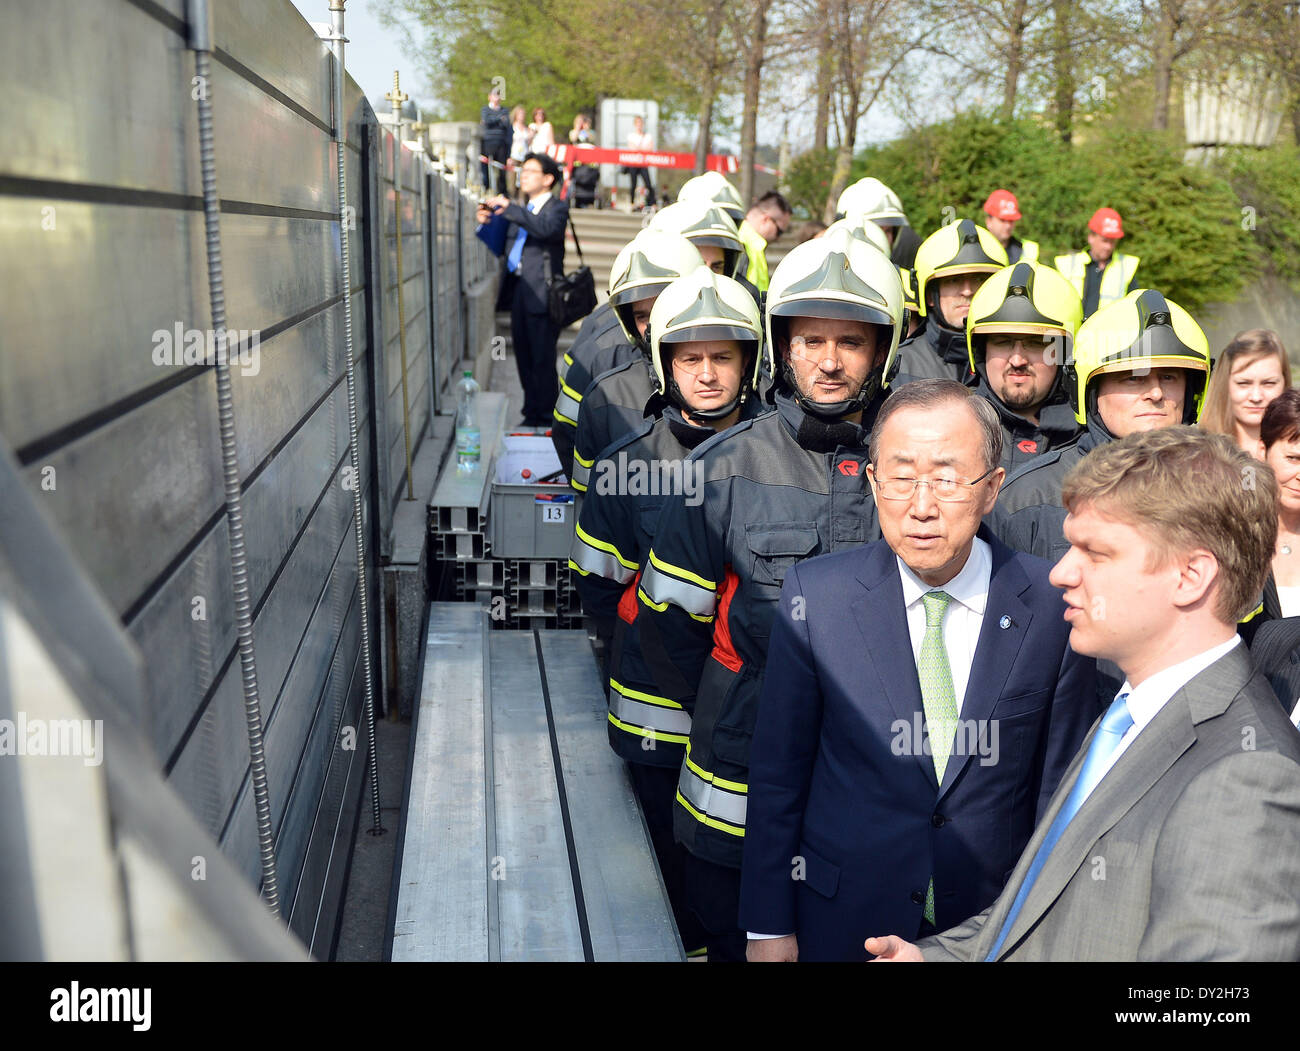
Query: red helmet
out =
(1002, 204)
(1106, 223)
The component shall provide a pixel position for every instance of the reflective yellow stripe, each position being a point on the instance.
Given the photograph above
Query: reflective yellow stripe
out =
(649, 698)
(1252, 614)
(721, 782)
(602, 545)
(641, 731)
(566, 389)
(712, 822)
(684, 574)
(574, 565)
(658, 607)
(568, 358)
(579, 458)
(559, 417)
(658, 587)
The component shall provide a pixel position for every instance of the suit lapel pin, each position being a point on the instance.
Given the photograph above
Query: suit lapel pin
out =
(1005, 622)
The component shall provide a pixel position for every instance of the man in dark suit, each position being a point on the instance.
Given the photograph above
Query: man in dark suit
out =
(1175, 833)
(533, 254)
(920, 703)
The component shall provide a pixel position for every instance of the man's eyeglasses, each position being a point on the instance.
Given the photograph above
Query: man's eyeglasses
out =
(946, 490)
(779, 226)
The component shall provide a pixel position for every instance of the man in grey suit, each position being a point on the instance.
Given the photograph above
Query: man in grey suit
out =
(1175, 833)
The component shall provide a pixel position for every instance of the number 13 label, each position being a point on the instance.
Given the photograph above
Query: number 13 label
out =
(553, 512)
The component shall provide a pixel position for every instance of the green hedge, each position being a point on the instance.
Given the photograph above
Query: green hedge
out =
(1184, 221)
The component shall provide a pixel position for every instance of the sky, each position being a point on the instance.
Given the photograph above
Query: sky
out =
(373, 52)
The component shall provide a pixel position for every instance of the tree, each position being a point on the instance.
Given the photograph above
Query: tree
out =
(561, 55)
(754, 40)
(870, 38)
(1176, 28)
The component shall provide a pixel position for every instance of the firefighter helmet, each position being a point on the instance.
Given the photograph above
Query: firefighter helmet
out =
(863, 231)
(714, 188)
(703, 305)
(705, 224)
(961, 247)
(644, 268)
(1025, 298)
(837, 275)
(1142, 331)
(871, 199)
(908, 277)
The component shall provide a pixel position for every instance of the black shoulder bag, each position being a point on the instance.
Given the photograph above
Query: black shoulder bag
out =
(572, 296)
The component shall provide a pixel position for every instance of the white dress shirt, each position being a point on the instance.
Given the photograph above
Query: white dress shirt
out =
(1145, 701)
(961, 624)
(964, 617)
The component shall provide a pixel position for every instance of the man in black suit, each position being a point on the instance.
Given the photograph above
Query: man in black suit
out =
(534, 253)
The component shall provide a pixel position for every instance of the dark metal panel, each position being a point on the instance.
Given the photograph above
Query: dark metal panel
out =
(276, 268)
(187, 628)
(62, 63)
(266, 152)
(293, 374)
(105, 279)
(289, 753)
(278, 632)
(321, 888)
(215, 759)
(333, 732)
(274, 41)
(130, 495)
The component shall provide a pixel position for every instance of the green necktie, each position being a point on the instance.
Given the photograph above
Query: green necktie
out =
(938, 696)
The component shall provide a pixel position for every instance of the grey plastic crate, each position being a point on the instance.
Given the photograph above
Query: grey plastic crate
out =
(523, 526)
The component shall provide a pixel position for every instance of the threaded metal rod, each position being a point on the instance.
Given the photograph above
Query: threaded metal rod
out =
(234, 500)
(340, 139)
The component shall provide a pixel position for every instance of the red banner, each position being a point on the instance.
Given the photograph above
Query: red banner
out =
(567, 154)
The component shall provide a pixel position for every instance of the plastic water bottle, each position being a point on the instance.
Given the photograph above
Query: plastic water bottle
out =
(468, 441)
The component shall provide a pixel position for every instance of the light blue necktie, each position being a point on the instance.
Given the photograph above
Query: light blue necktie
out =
(1114, 725)
(517, 249)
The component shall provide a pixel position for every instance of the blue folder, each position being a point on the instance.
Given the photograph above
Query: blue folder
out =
(493, 234)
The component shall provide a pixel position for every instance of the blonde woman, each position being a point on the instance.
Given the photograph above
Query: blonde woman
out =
(1251, 371)
(543, 133)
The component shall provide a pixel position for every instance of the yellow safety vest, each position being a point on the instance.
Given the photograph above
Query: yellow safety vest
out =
(1115, 278)
(755, 247)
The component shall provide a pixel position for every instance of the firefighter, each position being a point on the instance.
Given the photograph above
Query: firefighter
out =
(705, 340)
(713, 233)
(640, 272)
(1139, 365)
(871, 199)
(1002, 212)
(1020, 335)
(1100, 274)
(951, 264)
(713, 188)
(783, 487)
(615, 399)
